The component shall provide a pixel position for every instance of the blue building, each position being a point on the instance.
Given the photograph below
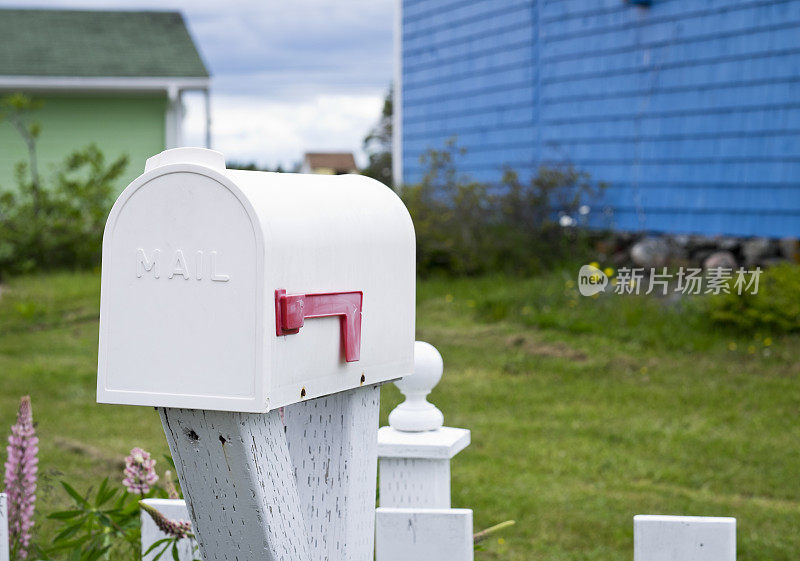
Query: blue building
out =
(689, 110)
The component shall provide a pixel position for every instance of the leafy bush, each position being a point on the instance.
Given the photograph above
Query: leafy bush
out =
(776, 306)
(468, 227)
(60, 224)
(60, 227)
(106, 523)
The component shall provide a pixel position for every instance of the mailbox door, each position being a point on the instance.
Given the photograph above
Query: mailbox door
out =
(181, 297)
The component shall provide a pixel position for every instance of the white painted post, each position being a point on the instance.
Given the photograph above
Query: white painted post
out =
(259, 490)
(237, 477)
(429, 534)
(173, 117)
(333, 446)
(174, 509)
(683, 538)
(415, 520)
(415, 450)
(207, 106)
(4, 555)
(415, 467)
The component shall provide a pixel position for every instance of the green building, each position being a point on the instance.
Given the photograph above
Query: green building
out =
(112, 78)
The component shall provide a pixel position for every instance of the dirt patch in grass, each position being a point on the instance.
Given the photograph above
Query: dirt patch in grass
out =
(531, 346)
(497, 336)
(83, 449)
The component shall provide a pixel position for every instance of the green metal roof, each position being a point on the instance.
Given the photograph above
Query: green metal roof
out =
(82, 43)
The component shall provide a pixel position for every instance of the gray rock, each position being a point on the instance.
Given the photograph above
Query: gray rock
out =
(650, 252)
(702, 242)
(677, 252)
(790, 248)
(720, 259)
(728, 244)
(682, 240)
(755, 250)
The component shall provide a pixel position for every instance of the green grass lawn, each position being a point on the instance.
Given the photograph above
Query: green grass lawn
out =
(583, 411)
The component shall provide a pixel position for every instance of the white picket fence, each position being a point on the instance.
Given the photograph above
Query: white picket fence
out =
(415, 519)
(430, 534)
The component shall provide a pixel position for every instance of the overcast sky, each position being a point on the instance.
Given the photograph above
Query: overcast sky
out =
(289, 76)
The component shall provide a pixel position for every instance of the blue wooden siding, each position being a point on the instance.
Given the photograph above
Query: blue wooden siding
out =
(446, 45)
(689, 110)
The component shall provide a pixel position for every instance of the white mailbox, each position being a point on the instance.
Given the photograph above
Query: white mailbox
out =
(246, 291)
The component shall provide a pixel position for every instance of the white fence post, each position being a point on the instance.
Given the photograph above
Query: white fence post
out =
(424, 534)
(415, 450)
(174, 509)
(684, 538)
(415, 520)
(4, 554)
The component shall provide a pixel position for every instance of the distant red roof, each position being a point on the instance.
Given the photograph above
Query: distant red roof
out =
(340, 162)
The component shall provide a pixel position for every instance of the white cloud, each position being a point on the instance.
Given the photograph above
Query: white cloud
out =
(288, 77)
(270, 132)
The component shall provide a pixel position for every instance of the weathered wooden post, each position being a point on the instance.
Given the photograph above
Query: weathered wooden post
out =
(227, 295)
(415, 520)
(4, 553)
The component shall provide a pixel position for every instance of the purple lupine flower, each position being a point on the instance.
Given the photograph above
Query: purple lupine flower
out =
(20, 480)
(174, 528)
(140, 472)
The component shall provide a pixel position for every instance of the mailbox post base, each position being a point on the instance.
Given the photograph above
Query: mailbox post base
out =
(333, 445)
(299, 489)
(236, 476)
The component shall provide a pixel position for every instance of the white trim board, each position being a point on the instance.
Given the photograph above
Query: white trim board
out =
(102, 83)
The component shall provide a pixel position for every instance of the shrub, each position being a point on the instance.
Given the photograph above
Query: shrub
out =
(59, 227)
(776, 306)
(58, 224)
(467, 227)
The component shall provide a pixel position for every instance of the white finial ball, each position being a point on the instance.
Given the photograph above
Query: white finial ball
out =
(428, 368)
(415, 414)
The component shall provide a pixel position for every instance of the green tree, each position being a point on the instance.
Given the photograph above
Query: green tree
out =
(378, 145)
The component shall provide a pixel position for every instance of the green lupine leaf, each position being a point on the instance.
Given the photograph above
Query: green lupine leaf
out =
(64, 514)
(156, 544)
(74, 494)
